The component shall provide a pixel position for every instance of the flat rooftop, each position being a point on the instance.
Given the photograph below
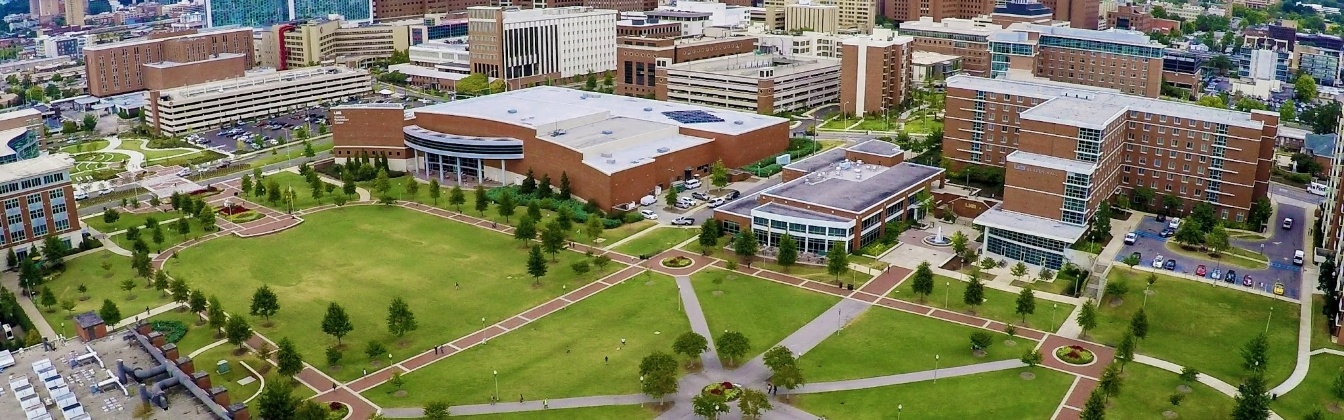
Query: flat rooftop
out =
(259, 79)
(876, 147)
(1037, 226)
(1110, 36)
(1093, 108)
(749, 64)
(41, 165)
(849, 186)
(414, 70)
(927, 58)
(1051, 162)
(783, 210)
(955, 26)
(198, 33)
(544, 106)
(171, 64)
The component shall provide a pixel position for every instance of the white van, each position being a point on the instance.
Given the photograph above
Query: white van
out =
(686, 202)
(1298, 256)
(692, 183)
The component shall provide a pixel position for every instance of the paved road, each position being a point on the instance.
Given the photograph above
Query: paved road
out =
(1279, 248)
(1295, 193)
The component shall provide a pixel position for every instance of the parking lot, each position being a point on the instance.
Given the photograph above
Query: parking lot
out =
(275, 127)
(700, 209)
(1279, 249)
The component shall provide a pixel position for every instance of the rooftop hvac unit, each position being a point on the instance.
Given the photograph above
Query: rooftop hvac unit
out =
(663, 150)
(513, 111)
(608, 132)
(738, 122)
(606, 154)
(611, 161)
(647, 109)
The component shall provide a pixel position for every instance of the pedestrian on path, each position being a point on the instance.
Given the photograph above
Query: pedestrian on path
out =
(520, 398)
(605, 359)
(545, 404)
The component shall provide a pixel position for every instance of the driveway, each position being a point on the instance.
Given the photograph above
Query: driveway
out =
(1279, 248)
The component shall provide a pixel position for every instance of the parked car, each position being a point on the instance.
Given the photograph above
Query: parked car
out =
(684, 221)
(716, 202)
(1216, 274)
(732, 195)
(1173, 222)
(1170, 264)
(648, 214)
(1201, 271)
(1278, 289)
(1167, 233)
(1157, 262)
(1298, 257)
(1247, 281)
(1231, 276)
(1161, 218)
(1131, 238)
(1287, 223)
(692, 183)
(702, 196)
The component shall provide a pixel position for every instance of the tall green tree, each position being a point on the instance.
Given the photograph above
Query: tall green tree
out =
(1087, 317)
(745, 245)
(400, 319)
(288, 359)
(435, 191)
(788, 251)
(1111, 382)
(690, 344)
(1288, 111)
(709, 235)
(1304, 88)
(526, 230)
(264, 303)
(237, 331)
(1124, 352)
(506, 205)
(529, 184)
(536, 264)
(974, 295)
(1139, 324)
(553, 239)
(336, 322)
(837, 260)
(752, 403)
(1095, 408)
(1255, 354)
(216, 316)
(659, 374)
(959, 242)
(1252, 401)
(565, 192)
(922, 283)
(277, 403)
(733, 345)
(718, 174)
(456, 197)
(1026, 303)
(482, 202)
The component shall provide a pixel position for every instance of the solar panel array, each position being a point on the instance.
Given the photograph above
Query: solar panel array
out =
(692, 117)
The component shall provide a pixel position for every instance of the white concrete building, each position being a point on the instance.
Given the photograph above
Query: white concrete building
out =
(202, 106)
(564, 42)
(442, 56)
(766, 83)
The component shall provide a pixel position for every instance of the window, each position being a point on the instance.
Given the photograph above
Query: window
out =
(779, 224)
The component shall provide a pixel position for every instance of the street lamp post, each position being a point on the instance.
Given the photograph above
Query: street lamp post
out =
(496, 385)
(947, 294)
(1053, 308)
(899, 407)
(1267, 319)
(935, 368)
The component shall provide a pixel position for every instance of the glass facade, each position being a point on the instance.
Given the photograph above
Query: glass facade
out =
(1102, 46)
(25, 146)
(349, 9)
(811, 238)
(247, 12)
(999, 52)
(1026, 248)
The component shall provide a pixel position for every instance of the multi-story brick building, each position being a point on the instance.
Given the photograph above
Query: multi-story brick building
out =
(1067, 149)
(638, 58)
(526, 47)
(614, 149)
(35, 188)
(875, 74)
(937, 10)
(968, 39)
(1125, 61)
(384, 10)
(294, 45)
(1081, 14)
(119, 68)
(764, 83)
(1022, 11)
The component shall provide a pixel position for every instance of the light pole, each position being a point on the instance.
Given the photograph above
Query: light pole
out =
(947, 294)
(496, 385)
(1053, 308)
(1267, 319)
(935, 368)
(898, 411)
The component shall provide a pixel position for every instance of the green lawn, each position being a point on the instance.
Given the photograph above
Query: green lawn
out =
(878, 124)
(994, 395)
(1146, 390)
(127, 220)
(840, 123)
(197, 336)
(85, 146)
(303, 193)
(922, 125)
(153, 154)
(998, 305)
(764, 311)
(1201, 326)
(1314, 392)
(558, 356)
(291, 150)
(610, 412)
(237, 393)
(1320, 337)
(1242, 259)
(806, 271)
(88, 270)
(865, 347)
(363, 257)
(657, 240)
(170, 235)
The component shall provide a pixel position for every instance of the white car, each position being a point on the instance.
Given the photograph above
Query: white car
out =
(1287, 223)
(1157, 262)
(692, 183)
(648, 214)
(1131, 238)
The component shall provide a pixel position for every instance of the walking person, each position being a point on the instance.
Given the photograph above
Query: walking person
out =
(545, 404)
(520, 398)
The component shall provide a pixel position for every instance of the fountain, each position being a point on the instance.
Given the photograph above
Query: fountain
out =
(938, 239)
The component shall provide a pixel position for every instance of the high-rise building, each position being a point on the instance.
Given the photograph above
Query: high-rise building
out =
(812, 17)
(35, 188)
(398, 9)
(293, 45)
(905, 11)
(968, 39)
(1066, 149)
(875, 74)
(44, 10)
(272, 12)
(62, 46)
(762, 83)
(350, 10)
(1125, 61)
(75, 11)
(1081, 14)
(179, 58)
(533, 45)
(638, 58)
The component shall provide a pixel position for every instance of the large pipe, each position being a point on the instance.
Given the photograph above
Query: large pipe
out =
(158, 394)
(140, 374)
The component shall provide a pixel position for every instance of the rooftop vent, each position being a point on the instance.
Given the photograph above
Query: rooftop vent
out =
(648, 108)
(606, 131)
(738, 122)
(606, 154)
(663, 150)
(513, 111)
(583, 96)
(611, 161)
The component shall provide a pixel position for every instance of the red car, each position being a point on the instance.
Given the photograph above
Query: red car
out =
(1246, 281)
(1201, 271)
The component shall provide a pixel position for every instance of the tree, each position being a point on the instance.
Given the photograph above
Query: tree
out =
(277, 403)
(974, 295)
(718, 174)
(1124, 352)
(1032, 358)
(1255, 354)
(788, 251)
(981, 340)
(436, 410)
(1304, 88)
(553, 239)
(534, 210)
(709, 235)
(536, 264)
(1143, 196)
(89, 123)
(837, 260)
(709, 406)
(564, 217)
(412, 187)
(745, 245)
(1131, 260)
(1252, 401)
(1101, 222)
(1139, 324)
(381, 183)
(206, 216)
(1288, 111)
(1095, 408)
(1111, 382)
(959, 242)
(923, 281)
(752, 403)
(732, 344)
(1018, 270)
(265, 303)
(49, 298)
(1260, 212)
(400, 319)
(215, 315)
(455, 197)
(1087, 317)
(336, 323)
(1189, 375)
(1337, 386)
(506, 205)
(180, 291)
(659, 373)
(196, 303)
(580, 267)
(1026, 303)
(591, 83)
(565, 192)
(109, 312)
(288, 359)
(529, 184)
(670, 197)
(1190, 234)
(236, 331)
(690, 344)
(526, 230)
(374, 349)
(593, 227)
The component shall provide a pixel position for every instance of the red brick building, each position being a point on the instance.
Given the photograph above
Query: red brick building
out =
(182, 58)
(638, 58)
(614, 149)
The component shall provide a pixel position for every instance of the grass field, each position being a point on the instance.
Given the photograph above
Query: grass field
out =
(558, 356)
(1314, 392)
(764, 311)
(1201, 326)
(88, 270)
(1146, 390)
(865, 347)
(611, 412)
(294, 149)
(303, 193)
(85, 146)
(998, 305)
(840, 123)
(922, 124)
(994, 395)
(657, 240)
(363, 257)
(197, 336)
(1320, 337)
(806, 271)
(152, 154)
(238, 393)
(127, 220)
(170, 235)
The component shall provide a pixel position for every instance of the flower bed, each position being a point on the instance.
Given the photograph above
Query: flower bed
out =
(728, 390)
(205, 192)
(233, 210)
(172, 330)
(677, 262)
(1075, 355)
(244, 217)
